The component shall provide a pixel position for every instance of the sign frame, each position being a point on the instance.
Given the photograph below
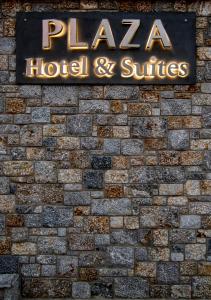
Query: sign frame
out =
(29, 44)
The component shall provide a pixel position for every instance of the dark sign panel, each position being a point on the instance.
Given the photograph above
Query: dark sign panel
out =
(105, 48)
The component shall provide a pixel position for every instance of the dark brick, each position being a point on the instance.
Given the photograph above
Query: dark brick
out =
(8, 264)
(93, 179)
(101, 162)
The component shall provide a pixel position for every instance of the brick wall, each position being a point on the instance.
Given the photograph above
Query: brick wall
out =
(106, 190)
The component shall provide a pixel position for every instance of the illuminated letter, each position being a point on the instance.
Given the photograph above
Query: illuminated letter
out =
(73, 39)
(172, 69)
(183, 69)
(127, 69)
(161, 69)
(159, 34)
(59, 29)
(52, 69)
(104, 33)
(63, 68)
(134, 25)
(34, 67)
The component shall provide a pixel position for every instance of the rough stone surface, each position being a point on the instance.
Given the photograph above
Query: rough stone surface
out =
(105, 190)
(134, 287)
(79, 125)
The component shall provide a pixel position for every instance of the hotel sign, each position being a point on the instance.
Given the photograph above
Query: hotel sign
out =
(105, 48)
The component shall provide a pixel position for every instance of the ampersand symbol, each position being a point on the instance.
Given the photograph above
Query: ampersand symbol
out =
(103, 67)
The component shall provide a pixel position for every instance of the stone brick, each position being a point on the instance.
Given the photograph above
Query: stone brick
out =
(94, 106)
(205, 187)
(68, 143)
(57, 217)
(81, 242)
(139, 109)
(8, 264)
(67, 266)
(90, 92)
(145, 269)
(30, 270)
(175, 122)
(168, 272)
(5, 245)
(206, 88)
(45, 172)
(79, 159)
(191, 158)
(111, 146)
(160, 237)
(124, 237)
(133, 287)
(201, 99)
(116, 222)
(7, 204)
(178, 139)
(54, 130)
(121, 131)
(167, 217)
(176, 107)
(157, 175)
(181, 291)
(79, 125)
(18, 168)
(148, 127)
(88, 274)
(77, 198)
(202, 208)
(116, 106)
(80, 290)
(131, 147)
(2, 224)
(31, 135)
(131, 222)
(4, 185)
(96, 224)
(121, 92)
(121, 256)
(51, 245)
(111, 207)
(7, 45)
(24, 248)
(30, 91)
(101, 162)
(48, 270)
(195, 252)
(15, 105)
(116, 176)
(35, 193)
(190, 221)
(182, 236)
(40, 115)
(60, 95)
(171, 189)
(53, 287)
(114, 191)
(3, 62)
(192, 187)
(201, 287)
(70, 176)
(93, 179)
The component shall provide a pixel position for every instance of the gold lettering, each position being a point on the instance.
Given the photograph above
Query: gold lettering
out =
(126, 41)
(34, 67)
(73, 36)
(51, 28)
(104, 33)
(158, 34)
